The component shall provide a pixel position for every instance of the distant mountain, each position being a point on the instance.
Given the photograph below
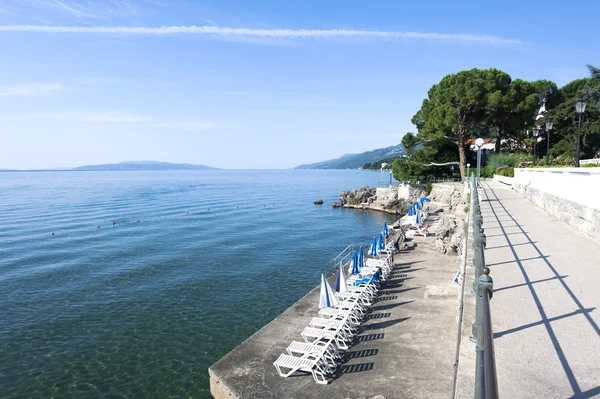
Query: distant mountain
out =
(145, 165)
(355, 161)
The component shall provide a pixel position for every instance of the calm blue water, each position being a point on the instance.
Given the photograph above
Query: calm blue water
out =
(143, 309)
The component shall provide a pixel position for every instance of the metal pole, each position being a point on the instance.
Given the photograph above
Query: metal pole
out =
(578, 136)
(534, 146)
(478, 165)
(548, 149)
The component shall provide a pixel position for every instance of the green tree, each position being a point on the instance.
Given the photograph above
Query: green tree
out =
(410, 142)
(419, 165)
(458, 104)
(563, 137)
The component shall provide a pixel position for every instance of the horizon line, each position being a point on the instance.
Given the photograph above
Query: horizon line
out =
(261, 33)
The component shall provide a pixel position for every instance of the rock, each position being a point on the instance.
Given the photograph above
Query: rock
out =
(449, 231)
(397, 238)
(318, 202)
(336, 204)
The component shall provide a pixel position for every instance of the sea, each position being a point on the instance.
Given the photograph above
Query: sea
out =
(130, 284)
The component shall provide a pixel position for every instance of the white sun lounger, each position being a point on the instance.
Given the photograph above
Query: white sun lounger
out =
(312, 334)
(334, 324)
(324, 349)
(319, 368)
(335, 313)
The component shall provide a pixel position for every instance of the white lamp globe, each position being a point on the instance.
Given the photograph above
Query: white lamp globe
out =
(479, 142)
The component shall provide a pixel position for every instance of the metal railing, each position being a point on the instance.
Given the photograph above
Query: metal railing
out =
(343, 257)
(486, 383)
(445, 180)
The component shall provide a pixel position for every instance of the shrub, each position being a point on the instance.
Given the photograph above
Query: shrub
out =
(487, 171)
(496, 160)
(506, 170)
(563, 160)
(525, 164)
(590, 165)
(428, 188)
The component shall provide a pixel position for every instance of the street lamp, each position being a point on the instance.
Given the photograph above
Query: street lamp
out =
(536, 133)
(478, 143)
(468, 166)
(580, 109)
(548, 128)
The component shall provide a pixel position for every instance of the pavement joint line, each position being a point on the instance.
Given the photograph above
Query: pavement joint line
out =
(559, 351)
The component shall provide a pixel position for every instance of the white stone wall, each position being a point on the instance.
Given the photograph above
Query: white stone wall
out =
(579, 185)
(570, 194)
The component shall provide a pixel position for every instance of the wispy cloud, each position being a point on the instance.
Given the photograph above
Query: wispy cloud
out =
(28, 90)
(225, 32)
(359, 105)
(101, 116)
(132, 119)
(184, 125)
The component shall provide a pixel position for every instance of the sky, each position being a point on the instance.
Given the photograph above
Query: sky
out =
(255, 84)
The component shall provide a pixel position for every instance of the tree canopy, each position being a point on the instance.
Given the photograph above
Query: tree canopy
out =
(487, 103)
(459, 104)
(410, 142)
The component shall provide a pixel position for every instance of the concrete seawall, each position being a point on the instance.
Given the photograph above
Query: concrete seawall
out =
(405, 350)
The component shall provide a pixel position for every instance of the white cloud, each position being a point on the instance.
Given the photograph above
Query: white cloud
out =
(132, 119)
(101, 116)
(31, 89)
(262, 33)
(358, 105)
(183, 125)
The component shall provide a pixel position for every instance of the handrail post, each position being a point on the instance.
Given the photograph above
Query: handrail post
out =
(485, 289)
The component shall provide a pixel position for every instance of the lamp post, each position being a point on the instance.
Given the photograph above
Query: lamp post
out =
(580, 109)
(468, 166)
(478, 143)
(536, 133)
(548, 128)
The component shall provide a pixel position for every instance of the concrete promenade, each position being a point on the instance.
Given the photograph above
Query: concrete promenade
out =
(545, 309)
(405, 350)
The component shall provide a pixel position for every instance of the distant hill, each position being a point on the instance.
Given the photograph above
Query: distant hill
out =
(145, 165)
(355, 161)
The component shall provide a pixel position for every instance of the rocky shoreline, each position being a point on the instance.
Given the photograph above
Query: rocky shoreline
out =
(389, 200)
(447, 210)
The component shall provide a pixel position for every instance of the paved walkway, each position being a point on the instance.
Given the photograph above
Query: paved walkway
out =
(545, 308)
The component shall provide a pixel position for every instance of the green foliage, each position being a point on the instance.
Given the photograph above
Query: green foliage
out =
(458, 104)
(514, 109)
(590, 165)
(486, 171)
(428, 188)
(415, 168)
(563, 138)
(488, 103)
(506, 170)
(497, 160)
(409, 142)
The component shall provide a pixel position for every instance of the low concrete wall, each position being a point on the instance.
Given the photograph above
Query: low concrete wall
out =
(504, 179)
(586, 161)
(570, 194)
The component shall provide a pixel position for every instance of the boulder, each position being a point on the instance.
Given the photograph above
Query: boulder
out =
(336, 204)
(318, 202)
